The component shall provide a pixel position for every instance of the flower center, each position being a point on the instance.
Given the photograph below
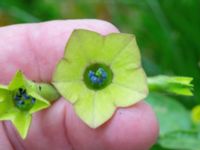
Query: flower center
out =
(98, 76)
(22, 100)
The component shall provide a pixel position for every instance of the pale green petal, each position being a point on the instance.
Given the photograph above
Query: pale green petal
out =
(67, 71)
(40, 103)
(128, 58)
(113, 45)
(94, 108)
(22, 123)
(84, 107)
(83, 46)
(104, 108)
(123, 96)
(71, 90)
(134, 79)
(17, 82)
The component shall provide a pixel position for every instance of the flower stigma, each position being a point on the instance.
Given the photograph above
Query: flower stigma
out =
(22, 100)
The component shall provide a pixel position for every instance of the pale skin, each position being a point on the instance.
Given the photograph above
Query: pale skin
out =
(35, 49)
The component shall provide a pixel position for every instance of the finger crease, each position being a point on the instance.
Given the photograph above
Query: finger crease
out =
(66, 129)
(7, 135)
(32, 49)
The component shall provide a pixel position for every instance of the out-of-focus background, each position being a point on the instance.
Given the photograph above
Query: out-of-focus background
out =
(168, 34)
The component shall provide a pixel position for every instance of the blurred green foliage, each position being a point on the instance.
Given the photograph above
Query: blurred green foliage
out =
(167, 32)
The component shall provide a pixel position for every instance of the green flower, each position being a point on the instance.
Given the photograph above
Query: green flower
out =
(99, 73)
(19, 100)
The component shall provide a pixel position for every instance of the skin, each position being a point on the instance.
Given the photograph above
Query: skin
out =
(35, 49)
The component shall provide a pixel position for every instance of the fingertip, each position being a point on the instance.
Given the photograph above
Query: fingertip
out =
(101, 26)
(131, 128)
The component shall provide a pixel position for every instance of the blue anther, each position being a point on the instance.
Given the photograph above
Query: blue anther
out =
(94, 79)
(21, 102)
(99, 81)
(97, 77)
(91, 73)
(104, 75)
(33, 100)
(17, 98)
(25, 96)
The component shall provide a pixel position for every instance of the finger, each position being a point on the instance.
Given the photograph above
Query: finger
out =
(42, 45)
(4, 142)
(36, 48)
(130, 128)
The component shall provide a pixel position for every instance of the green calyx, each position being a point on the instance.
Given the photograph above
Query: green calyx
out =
(46, 90)
(97, 76)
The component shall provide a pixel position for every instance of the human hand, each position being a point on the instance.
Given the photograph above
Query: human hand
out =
(36, 49)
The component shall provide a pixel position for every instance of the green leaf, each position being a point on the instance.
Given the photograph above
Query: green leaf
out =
(171, 114)
(175, 85)
(183, 140)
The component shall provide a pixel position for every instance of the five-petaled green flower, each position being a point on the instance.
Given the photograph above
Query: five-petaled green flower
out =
(19, 100)
(99, 73)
